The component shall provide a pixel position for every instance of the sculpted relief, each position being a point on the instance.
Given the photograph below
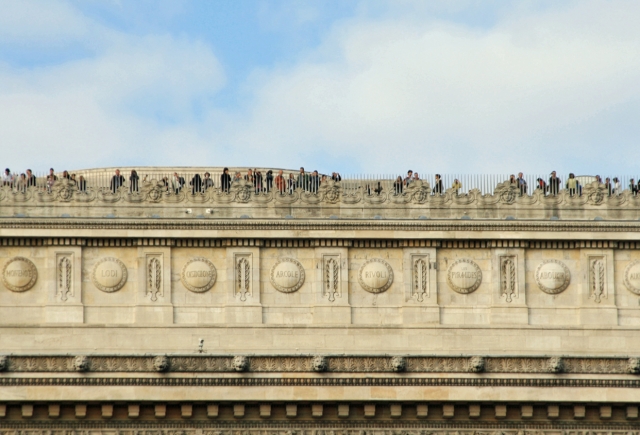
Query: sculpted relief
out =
(375, 276)
(553, 277)
(632, 277)
(198, 275)
(287, 275)
(464, 276)
(109, 274)
(19, 274)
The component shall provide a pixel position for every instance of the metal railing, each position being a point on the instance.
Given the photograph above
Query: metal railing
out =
(350, 183)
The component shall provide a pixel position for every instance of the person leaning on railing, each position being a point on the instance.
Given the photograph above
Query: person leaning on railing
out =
(207, 182)
(280, 182)
(554, 184)
(572, 184)
(134, 181)
(8, 178)
(31, 179)
(82, 184)
(437, 186)
(522, 184)
(398, 185)
(196, 184)
(632, 187)
(225, 180)
(116, 181)
(456, 186)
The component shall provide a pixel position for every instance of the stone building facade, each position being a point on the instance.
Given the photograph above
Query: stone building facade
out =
(332, 313)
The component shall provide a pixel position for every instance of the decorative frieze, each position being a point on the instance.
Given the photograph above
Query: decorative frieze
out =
(321, 363)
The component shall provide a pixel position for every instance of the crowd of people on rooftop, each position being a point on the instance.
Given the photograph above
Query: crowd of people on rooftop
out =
(288, 183)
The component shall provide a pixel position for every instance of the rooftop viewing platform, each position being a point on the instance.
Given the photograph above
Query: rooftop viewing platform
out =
(206, 193)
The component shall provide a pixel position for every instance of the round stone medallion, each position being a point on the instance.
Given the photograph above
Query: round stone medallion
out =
(198, 275)
(553, 277)
(375, 276)
(287, 275)
(109, 274)
(19, 274)
(464, 276)
(632, 277)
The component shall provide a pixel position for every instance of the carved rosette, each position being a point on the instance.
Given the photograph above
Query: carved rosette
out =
(109, 274)
(287, 275)
(375, 276)
(552, 277)
(19, 274)
(632, 277)
(198, 275)
(464, 276)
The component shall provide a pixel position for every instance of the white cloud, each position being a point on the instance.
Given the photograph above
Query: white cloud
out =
(538, 90)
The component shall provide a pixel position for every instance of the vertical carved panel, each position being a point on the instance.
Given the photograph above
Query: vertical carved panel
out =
(331, 278)
(420, 281)
(243, 277)
(154, 277)
(64, 279)
(508, 278)
(597, 277)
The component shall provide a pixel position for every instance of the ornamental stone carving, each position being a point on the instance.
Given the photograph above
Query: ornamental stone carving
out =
(64, 275)
(464, 276)
(287, 275)
(19, 274)
(3, 363)
(555, 365)
(240, 363)
(161, 363)
(476, 364)
(375, 276)
(198, 275)
(399, 363)
(552, 277)
(319, 363)
(632, 277)
(109, 274)
(81, 363)
(633, 365)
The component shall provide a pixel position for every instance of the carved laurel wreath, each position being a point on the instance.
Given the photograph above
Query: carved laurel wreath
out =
(386, 286)
(287, 289)
(208, 285)
(474, 286)
(116, 287)
(33, 272)
(551, 291)
(627, 282)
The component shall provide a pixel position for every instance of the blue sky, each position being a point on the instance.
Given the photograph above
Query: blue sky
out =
(356, 86)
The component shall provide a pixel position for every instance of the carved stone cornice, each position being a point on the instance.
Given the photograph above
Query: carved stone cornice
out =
(334, 364)
(390, 381)
(444, 225)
